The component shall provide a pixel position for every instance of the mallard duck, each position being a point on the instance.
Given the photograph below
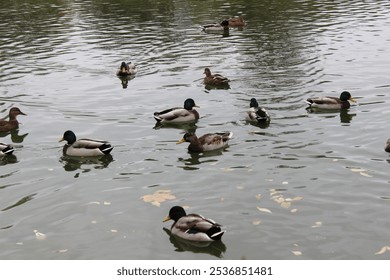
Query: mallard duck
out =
(178, 114)
(207, 142)
(236, 21)
(84, 147)
(387, 147)
(12, 123)
(126, 69)
(214, 79)
(193, 227)
(6, 149)
(256, 113)
(331, 103)
(216, 27)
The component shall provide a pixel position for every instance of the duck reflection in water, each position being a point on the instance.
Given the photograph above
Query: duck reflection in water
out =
(215, 248)
(345, 115)
(74, 163)
(125, 80)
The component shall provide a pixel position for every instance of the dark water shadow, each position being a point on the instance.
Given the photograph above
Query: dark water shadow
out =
(125, 80)
(215, 248)
(188, 127)
(345, 115)
(15, 136)
(211, 87)
(85, 163)
(195, 159)
(8, 159)
(259, 124)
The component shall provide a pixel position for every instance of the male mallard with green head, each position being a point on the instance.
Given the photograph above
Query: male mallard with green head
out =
(193, 227)
(207, 142)
(331, 103)
(84, 147)
(12, 123)
(214, 79)
(256, 113)
(126, 69)
(6, 149)
(216, 27)
(179, 114)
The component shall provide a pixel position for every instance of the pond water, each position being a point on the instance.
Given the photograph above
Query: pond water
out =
(311, 185)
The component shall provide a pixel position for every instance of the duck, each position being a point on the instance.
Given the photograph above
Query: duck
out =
(187, 113)
(84, 147)
(216, 27)
(214, 79)
(126, 69)
(330, 102)
(193, 227)
(256, 113)
(387, 147)
(12, 123)
(6, 149)
(237, 21)
(207, 142)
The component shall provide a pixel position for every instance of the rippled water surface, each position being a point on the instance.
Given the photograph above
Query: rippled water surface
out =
(311, 185)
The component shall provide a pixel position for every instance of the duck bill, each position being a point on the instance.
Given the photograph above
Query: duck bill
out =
(167, 218)
(62, 139)
(352, 100)
(196, 106)
(181, 141)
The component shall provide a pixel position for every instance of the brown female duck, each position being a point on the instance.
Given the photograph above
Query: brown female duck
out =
(214, 79)
(12, 123)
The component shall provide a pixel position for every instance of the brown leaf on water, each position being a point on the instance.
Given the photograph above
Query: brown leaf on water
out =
(158, 197)
(297, 198)
(383, 250)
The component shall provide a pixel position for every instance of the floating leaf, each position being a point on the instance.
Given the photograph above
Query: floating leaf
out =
(264, 210)
(293, 210)
(357, 170)
(258, 196)
(297, 198)
(62, 251)
(256, 223)
(297, 253)
(317, 224)
(365, 174)
(39, 235)
(240, 188)
(279, 199)
(159, 196)
(383, 250)
(285, 204)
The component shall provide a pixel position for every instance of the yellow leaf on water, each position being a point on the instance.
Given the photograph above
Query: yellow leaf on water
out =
(285, 205)
(256, 223)
(264, 210)
(158, 197)
(383, 250)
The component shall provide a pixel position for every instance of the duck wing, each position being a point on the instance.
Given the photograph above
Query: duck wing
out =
(175, 114)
